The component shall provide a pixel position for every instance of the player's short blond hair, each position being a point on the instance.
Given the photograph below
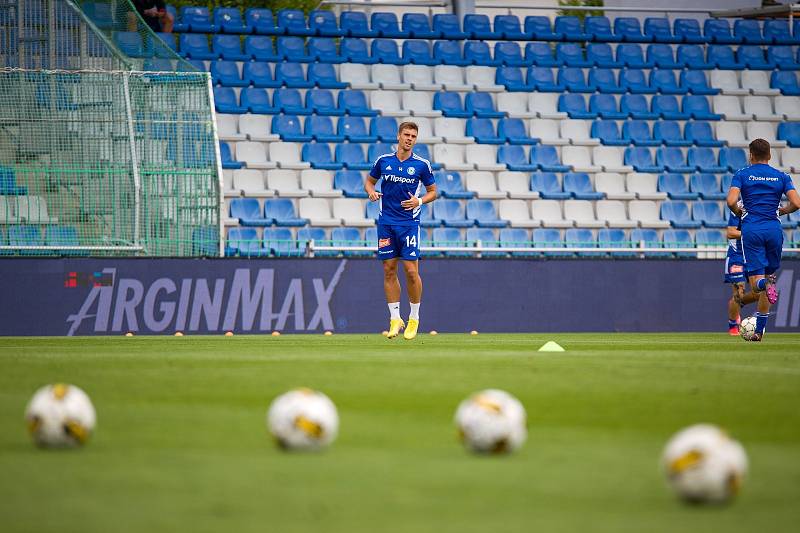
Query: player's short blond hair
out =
(407, 126)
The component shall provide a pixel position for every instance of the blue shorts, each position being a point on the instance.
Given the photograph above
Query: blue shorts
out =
(761, 248)
(398, 241)
(734, 270)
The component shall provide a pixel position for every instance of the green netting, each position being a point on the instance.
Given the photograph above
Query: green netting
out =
(107, 163)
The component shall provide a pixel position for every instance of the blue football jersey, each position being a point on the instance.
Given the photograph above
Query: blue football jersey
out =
(399, 181)
(762, 187)
(735, 245)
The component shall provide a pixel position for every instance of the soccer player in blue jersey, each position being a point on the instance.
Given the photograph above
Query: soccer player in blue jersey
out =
(407, 183)
(734, 274)
(761, 188)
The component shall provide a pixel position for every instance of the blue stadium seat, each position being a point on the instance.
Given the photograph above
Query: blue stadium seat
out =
(478, 27)
(634, 81)
(387, 25)
(248, 212)
(707, 186)
(513, 156)
(354, 129)
(418, 52)
(704, 160)
(540, 29)
(660, 55)
(732, 159)
(568, 28)
(667, 106)
(260, 48)
(548, 186)
(541, 55)
(229, 47)
(722, 57)
(289, 128)
(321, 102)
(513, 131)
(480, 104)
(614, 238)
(386, 51)
(244, 242)
(449, 237)
(678, 214)
(385, 128)
(648, 237)
(451, 213)
(319, 236)
(668, 132)
(658, 29)
(598, 29)
(786, 82)
(351, 156)
(282, 213)
(355, 24)
(672, 159)
(510, 54)
(373, 212)
(632, 56)
(675, 186)
(225, 101)
(195, 46)
(549, 238)
(324, 76)
(321, 129)
(508, 27)
(449, 26)
(450, 104)
(688, 30)
(281, 242)
(422, 151)
(718, 30)
(696, 82)
(664, 81)
(257, 101)
(350, 237)
(291, 75)
(709, 214)
(478, 53)
(324, 24)
(355, 51)
(164, 45)
(418, 26)
(323, 49)
(574, 80)
(583, 238)
(608, 133)
(482, 211)
(449, 53)
(635, 106)
(710, 237)
(782, 57)
(68, 236)
(630, 30)
(227, 74)
(749, 31)
(130, 43)
(483, 131)
(542, 80)
(293, 22)
(198, 19)
(8, 183)
(289, 101)
(293, 48)
(580, 186)
(778, 32)
(517, 238)
(699, 108)
(426, 218)
(601, 55)
(575, 106)
(692, 56)
(350, 182)
(545, 158)
(605, 106)
(753, 58)
(487, 238)
(604, 79)
(641, 159)
(679, 238)
(790, 132)
(320, 156)
(261, 21)
(225, 156)
(450, 185)
(571, 54)
(511, 78)
(639, 134)
(354, 102)
(701, 134)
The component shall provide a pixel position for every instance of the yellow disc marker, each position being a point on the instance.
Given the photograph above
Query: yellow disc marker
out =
(276, 333)
(473, 332)
(327, 333)
(434, 332)
(229, 334)
(178, 334)
(129, 334)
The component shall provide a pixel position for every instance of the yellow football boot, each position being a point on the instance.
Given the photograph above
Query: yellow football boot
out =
(411, 329)
(395, 326)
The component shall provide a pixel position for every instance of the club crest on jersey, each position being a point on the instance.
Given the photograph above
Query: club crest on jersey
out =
(411, 171)
(384, 242)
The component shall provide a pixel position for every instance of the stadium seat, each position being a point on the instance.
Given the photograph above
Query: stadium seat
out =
(349, 237)
(549, 238)
(351, 212)
(323, 49)
(292, 75)
(321, 102)
(582, 238)
(253, 155)
(227, 74)
(287, 155)
(688, 31)
(579, 159)
(573, 79)
(513, 156)
(709, 238)
(701, 134)
(600, 55)
(350, 182)
(257, 101)
(281, 242)
(508, 27)
(319, 236)
(607, 131)
(678, 215)
(632, 56)
(293, 22)
(575, 106)
(478, 27)
(548, 186)
(482, 130)
(250, 182)
(509, 54)
(323, 75)
(732, 158)
(667, 106)
(598, 28)
(449, 26)
(634, 81)
(358, 76)
(612, 185)
(324, 23)
(282, 213)
(259, 48)
(516, 213)
(672, 159)
(450, 53)
(450, 185)
(418, 26)
(482, 183)
(695, 82)
(479, 53)
(778, 32)
(511, 78)
(483, 213)
(244, 242)
(450, 104)
(354, 24)
(195, 46)
(728, 82)
(788, 107)
(635, 106)
(613, 214)
(225, 156)
(447, 237)
(387, 25)
(790, 132)
(318, 212)
(285, 183)
(679, 238)
(320, 128)
(749, 32)
(578, 132)
(198, 19)
(785, 82)
(699, 108)
(753, 58)
(605, 106)
(8, 183)
(659, 30)
(355, 103)
(675, 187)
(571, 55)
(261, 21)
(709, 214)
(545, 158)
(722, 57)
(420, 78)
(668, 132)
(692, 57)
(782, 57)
(707, 186)
(517, 185)
(541, 79)
(569, 28)
(540, 29)
(451, 213)
(580, 187)
(610, 158)
(225, 101)
(630, 30)
(386, 51)
(355, 50)
(419, 53)
(480, 105)
(229, 47)
(646, 214)
(130, 43)
(248, 211)
(638, 133)
(541, 55)
(704, 160)
(548, 214)
(289, 101)
(641, 159)
(718, 30)
(664, 82)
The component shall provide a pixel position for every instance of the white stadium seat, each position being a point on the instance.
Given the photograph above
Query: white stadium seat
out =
(545, 105)
(517, 213)
(728, 82)
(357, 75)
(482, 79)
(451, 156)
(578, 132)
(318, 212)
(547, 130)
(482, 183)
(516, 184)
(319, 182)
(418, 104)
(228, 128)
(388, 102)
(548, 214)
(451, 130)
(612, 184)
(287, 155)
(645, 213)
(611, 158)
(451, 77)
(766, 131)
(253, 154)
(757, 82)
(257, 128)
(730, 107)
(351, 212)
(285, 183)
(761, 108)
(388, 76)
(579, 158)
(645, 186)
(250, 182)
(788, 107)
(420, 77)
(732, 133)
(582, 213)
(484, 157)
(612, 212)
(32, 209)
(515, 105)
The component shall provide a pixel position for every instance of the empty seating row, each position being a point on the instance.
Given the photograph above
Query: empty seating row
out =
(30, 235)
(24, 209)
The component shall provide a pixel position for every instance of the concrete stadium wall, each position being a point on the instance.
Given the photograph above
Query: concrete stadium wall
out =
(161, 296)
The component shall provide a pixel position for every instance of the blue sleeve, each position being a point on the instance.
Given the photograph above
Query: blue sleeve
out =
(376, 170)
(788, 184)
(427, 177)
(733, 220)
(736, 181)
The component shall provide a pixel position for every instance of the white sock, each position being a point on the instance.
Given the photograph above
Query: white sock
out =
(414, 311)
(394, 310)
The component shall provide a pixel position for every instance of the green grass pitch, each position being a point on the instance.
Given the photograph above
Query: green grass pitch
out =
(181, 443)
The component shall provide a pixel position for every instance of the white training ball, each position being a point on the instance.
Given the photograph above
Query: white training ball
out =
(303, 419)
(491, 421)
(704, 465)
(747, 328)
(60, 416)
